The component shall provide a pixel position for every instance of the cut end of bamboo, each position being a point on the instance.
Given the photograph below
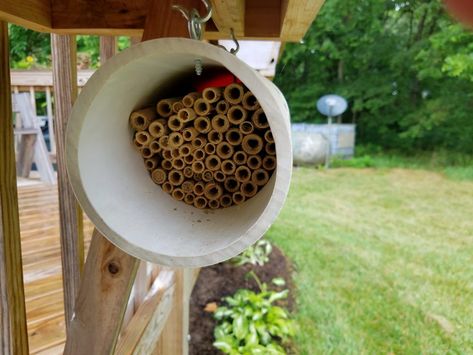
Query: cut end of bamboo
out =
(164, 107)
(219, 176)
(240, 157)
(198, 166)
(175, 140)
(215, 137)
(228, 167)
(212, 162)
(234, 136)
(189, 99)
(252, 144)
(140, 120)
(202, 107)
(269, 162)
(260, 177)
(212, 191)
(157, 129)
(238, 198)
(202, 125)
(226, 201)
(233, 93)
(224, 150)
(176, 177)
(186, 114)
(237, 114)
(222, 107)
(248, 189)
(220, 123)
(175, 123)
(231, 184)
(200, 202)
(212, 94)
(259, 119)
(243, 174)
(159, 176)
(249, 101)
(178, 194)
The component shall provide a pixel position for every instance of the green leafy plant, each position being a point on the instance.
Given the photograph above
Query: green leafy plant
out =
(256, 254)
(250, 323)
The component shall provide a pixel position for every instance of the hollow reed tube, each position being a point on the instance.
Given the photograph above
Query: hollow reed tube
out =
(207, 176)
(140, 120)
(202, 107)
(252, 144)
(187, 186)
(219, 176)
(238, 198)
(268, 136)
(209, 148)
(249, 101)
(202, 125)
(164, 107)
(189, 159)
(233, 136)
(260, 177)
(231, 184)
(200, 202)
(146, 152)
(248, 189)
(167, 187)
(189, 99)
(212, 191)
(158, 128)
(214, 204)
(164, 142)
(166, 164)
(270, 148)
(259, 119)
(175, 153)
(212, 94)
(177, 194)
(228, 167)
(269, 162)
(212, 162)
(198, 166)
(215, 137)
(226, 200)
(240, 157)
(178, 164)
(243, 173)
(143, 137)
(175, 123)
(152, 163)
(246, 127)
(198, 142)
(198, 154)
(154, 146)
(176, 177)
(189, 198)
(220, 123)
(187, 171)
(178, 105)
(237, 114)
(199, 188)
(186, 114)
(175, 140)
(167, 154)
(254, 162)
(158, 176)
(233, 93)
(224, 150)
(185, 149)
(189, 133)
(222, 107)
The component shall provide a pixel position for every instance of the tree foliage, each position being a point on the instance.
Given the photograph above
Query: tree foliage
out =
(405, 67)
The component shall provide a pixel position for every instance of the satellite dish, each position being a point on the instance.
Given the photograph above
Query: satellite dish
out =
(332, 105)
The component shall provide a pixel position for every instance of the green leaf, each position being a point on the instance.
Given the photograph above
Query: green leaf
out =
(240, 327)
(278, 281)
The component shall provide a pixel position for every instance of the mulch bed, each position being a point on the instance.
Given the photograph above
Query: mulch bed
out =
(222, 280)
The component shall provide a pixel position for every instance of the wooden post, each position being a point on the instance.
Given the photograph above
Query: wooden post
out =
(108, 47)
(72, 239)
(13, 333)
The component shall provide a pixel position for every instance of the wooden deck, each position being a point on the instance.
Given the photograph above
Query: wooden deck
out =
(39, 222)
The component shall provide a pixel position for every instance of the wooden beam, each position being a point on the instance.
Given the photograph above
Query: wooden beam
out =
(297, 17)
(263, 18)
(229, 14)
(13, 333)
(108, 48)
(71, 236)
(34, 14)
(108, 278)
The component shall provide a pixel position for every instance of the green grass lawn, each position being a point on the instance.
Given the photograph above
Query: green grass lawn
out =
(383, 261)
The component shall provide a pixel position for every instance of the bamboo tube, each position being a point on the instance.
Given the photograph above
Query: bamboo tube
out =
(166, 164)
(185, 150)
(164, 107)
(226, 200)
(146, 152)
(233, 93)
(246, 127)
(199, 142)
(212, 191)
(240, 157)
(178, 105)
(270, 148)
(202, 107)
(137, 144)
(143, 137)
(167, 187)
(175, 153)
(231, 184)
(152, 163)
(237, 114)
(155, 147)
(249, 101)
(175, 140)
(260, 177)
(202, 125)
(189, 159)
(157, 128)
(164, 142)
(189, 99)
(167, 154)
(219, 176)
(189, 198)
(254, 162)
(222, 107)
(234, 136)
(198, 176)
(269, 162)
(200, 202)
(268, 136)
(176, 177)
(243, 173)
(198, 167)
(220, 123)
(187, 186)
(187, 171)
(199, 188)
(215, 137)
(212, 95)
(238, 198)
(189, 134)
(178, 164)
(228, 167)
(198, 154)
(214, 204)
(209, 148)
(178, 194)
(158, 176)
(207, 176)
(252, 144)
(140, 120)
(175, 123)
(224, 150)
(212, 162)
(259, 119)
(248, 189)
(186, 114)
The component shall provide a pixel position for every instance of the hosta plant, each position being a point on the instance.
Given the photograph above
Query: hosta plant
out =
(256, 254)
(250, 323)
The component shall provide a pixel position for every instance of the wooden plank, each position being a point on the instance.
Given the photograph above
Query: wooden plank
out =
(49, 113)
(34, 14)
(263, 18)
(13, 334)
(297, 17)
(72, 238)
(42, 78)
(25, 154)
(108, 47)
(229, 14)
(106, 284)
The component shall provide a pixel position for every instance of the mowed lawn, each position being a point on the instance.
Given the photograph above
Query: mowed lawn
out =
(383, 261)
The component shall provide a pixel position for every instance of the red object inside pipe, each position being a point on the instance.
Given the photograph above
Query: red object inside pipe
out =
(215, 77)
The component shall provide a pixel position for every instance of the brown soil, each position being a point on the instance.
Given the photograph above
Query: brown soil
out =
(222, 280)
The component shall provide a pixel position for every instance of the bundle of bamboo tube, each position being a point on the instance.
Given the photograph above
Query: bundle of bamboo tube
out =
(212, 149)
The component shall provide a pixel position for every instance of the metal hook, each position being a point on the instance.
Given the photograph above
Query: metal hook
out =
(194, 21)
(237, 44)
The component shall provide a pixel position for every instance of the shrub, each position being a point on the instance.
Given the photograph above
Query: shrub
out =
(257, 254)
